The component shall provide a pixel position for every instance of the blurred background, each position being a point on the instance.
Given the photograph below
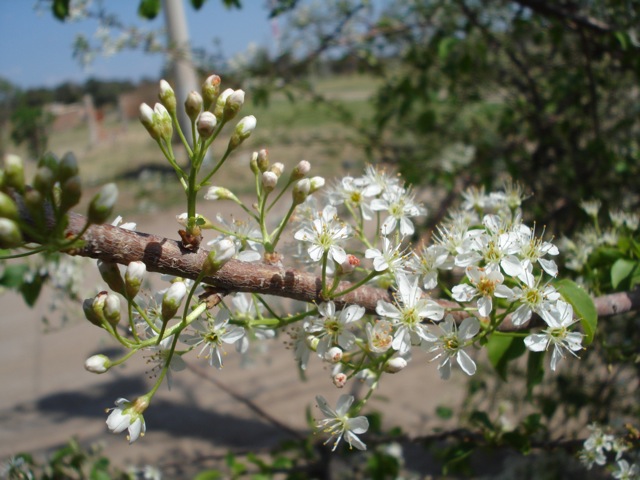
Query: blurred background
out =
(450, 93)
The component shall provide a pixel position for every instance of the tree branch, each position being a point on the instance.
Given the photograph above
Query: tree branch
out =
(162, 255)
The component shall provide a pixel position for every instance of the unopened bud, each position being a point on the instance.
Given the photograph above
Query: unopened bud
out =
(333, 355)
(97, 364)
(349, 265)
(162, 122)
(51, 161)
(220, 193)
(10, 235)
(263, 160)
(277, 168)
(301, 191)
(242, 131)
(395, 364)
(253, 163)
(111, 309)
(340, 380)
(206, 124)
(33, 199)
(43, 180)
(300, 170)
(90, 313)
(102, 204)
(68, 167)
(146, 118)
(193, 105)
(218, 111)
(221, 253)
(71, 192)
(172, 300)
(167, 97)
(210, 90)
(316, 184)
(269, 181)
(110, 273)
(233, 104)
(133, 278)
(13, 172)
(8, 208)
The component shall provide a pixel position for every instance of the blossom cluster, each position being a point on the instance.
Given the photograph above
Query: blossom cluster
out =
(493, 268)
(600, 446)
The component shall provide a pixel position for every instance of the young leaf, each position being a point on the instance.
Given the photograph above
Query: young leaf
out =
(583, 306)
(622, 271)
(501, 350)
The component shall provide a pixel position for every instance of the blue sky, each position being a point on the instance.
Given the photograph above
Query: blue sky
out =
(36, 50)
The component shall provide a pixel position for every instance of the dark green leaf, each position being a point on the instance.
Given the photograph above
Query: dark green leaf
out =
(481, 419)
(535, 370)
(583, 306)
(445, 413)
(13, 275)
(197, 4)
(149, 9)
(31, 290)
(232, 3)
(60, 9)
(501, 350)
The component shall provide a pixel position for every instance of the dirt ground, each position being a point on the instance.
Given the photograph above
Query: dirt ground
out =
(47, 396)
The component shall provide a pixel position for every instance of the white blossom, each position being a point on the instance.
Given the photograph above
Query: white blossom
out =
(323, 234)
(450, 345)
(338, 424)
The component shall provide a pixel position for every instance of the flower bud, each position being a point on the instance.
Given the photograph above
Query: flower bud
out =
(111, 309)
(10, 235)
(316, 184)
(8, 208)
(50, 161)
(233, 104)
(71, 192)
(193, 105)
(349, 265)
(221, 101)
(146, 118)
(300, 170)
(33, 199)
(269, 181)
(253, 163)
(172, 300)
(301, 191)
(277, 168)
(43, 180)
(242, 131)
(395, 364)
(97, 364)
(167, 97)
(220, 193)
(222, 252)
(13, 172)
(210, 90)
(90, 313)
(110, 273)
(133, 278)
(68, 167)
(206, 124)
(162, 122)
(102, 204)
(263, 160)
(340, 380)
(333, 355)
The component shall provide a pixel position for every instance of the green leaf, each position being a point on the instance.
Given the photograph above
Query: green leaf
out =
(149, 9)
(535, 370)
(31, 290)
(501, 350)
(583, 306)
(209, 475)
(445, 413)
(60, 9)
(13, 276)
(622, 271)
(481, 419)
(197, 4)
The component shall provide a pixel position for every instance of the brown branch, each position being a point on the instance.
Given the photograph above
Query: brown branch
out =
(162, 255)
